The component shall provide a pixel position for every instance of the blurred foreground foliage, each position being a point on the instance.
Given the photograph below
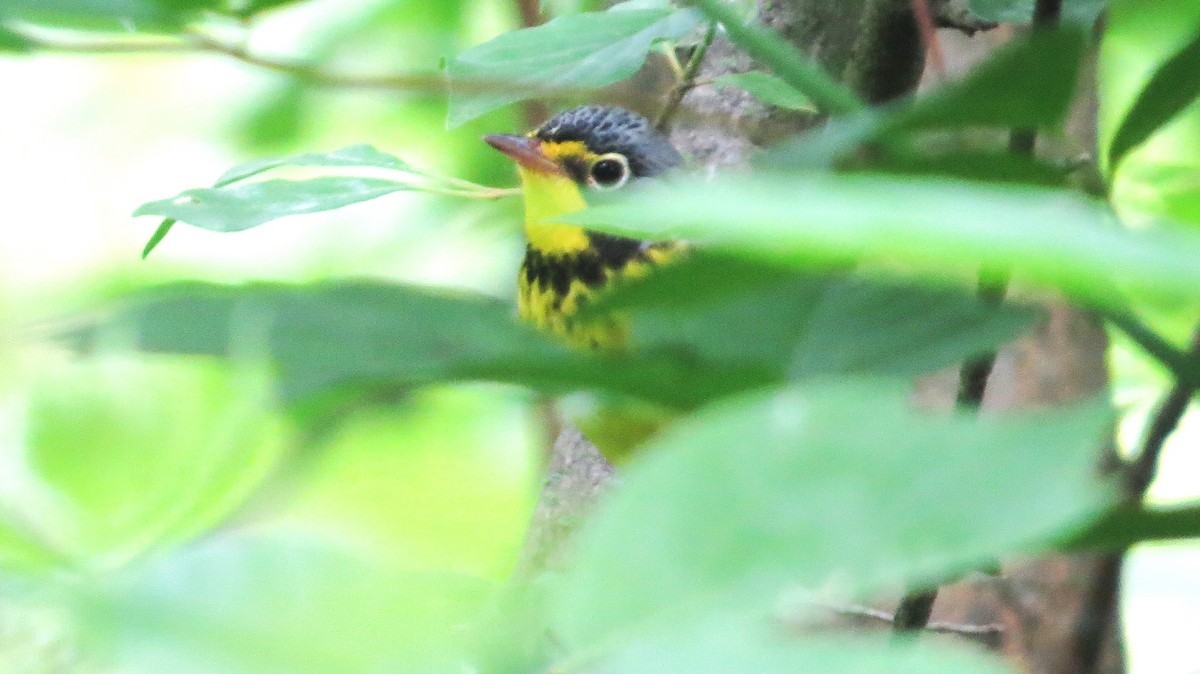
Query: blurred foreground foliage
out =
(174, 530)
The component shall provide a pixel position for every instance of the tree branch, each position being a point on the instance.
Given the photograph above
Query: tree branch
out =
(687, 79)
(200, 43)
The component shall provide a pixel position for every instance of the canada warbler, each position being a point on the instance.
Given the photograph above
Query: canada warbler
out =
(578, 151)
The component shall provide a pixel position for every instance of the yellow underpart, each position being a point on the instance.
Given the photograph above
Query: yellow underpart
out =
(613, 426)
(549, 196)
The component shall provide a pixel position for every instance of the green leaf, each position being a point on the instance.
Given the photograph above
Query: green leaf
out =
(328, 336)
(1125, 527)
(767, 88)
(722, 309)
(1021, 11)
(841, 483)
(273, 602)
(1174, 86)
(355, 156)
(1054, 237)
(331, 335)
(790, 64)
(728, 642)
(1028, 83)
(239, 207)
(592, 49)
(991, 167)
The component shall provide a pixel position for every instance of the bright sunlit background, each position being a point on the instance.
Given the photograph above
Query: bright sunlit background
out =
(444, 478)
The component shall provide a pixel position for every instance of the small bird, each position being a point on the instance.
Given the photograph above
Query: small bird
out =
(576, 152)
(585, 149)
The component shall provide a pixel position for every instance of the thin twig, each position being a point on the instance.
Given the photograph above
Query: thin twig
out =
(962, 629)
(687, 79)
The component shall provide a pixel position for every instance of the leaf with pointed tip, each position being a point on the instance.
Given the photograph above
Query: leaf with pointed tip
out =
(767, 88)
(587, 50)
(234, 208)
(1055, 237)
(354, 156)
(1174, 87)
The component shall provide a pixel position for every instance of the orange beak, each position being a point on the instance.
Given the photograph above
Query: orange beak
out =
(525, 151)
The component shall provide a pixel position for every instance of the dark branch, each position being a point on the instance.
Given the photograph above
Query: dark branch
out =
(1092, 624)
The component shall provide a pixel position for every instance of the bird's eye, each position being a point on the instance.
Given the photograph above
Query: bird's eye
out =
(609, 172)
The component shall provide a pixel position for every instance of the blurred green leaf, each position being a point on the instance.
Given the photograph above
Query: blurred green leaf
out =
(723, 309)
(13, 42)
(137, 454)
(277, 118)
(724, 642)
(1174, 86)
(1125, 527)
(592, 49)
(326, 336)
(767, 88)
(1021, 11)
(106, 13)
(840, 483)
(249, 8)
(991, 167)
(234, 208)
(1027, 83)
(280, 602)
(1055, 237)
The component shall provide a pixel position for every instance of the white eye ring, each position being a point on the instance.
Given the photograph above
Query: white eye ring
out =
(606, 163)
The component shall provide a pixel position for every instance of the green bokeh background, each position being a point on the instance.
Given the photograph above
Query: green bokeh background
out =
(108, 462)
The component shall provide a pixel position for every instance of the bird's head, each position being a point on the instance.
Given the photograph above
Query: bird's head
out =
(584, 149)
